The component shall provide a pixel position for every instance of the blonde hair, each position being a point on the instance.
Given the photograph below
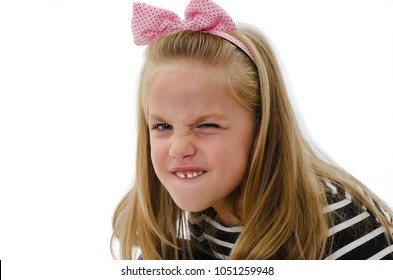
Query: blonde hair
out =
(283, 190)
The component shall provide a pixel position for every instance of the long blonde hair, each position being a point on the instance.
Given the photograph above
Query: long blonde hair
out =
(283, 192)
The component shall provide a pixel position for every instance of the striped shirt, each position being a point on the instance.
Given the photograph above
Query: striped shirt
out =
(355, 234)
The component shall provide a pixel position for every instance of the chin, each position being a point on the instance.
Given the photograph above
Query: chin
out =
(191, 207)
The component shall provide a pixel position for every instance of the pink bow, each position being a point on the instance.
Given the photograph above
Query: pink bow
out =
(149, 22)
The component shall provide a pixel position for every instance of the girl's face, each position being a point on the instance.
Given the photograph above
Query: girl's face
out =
(200, 137)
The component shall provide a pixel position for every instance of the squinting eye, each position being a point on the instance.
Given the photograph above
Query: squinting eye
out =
(208, 125)
(163, 127)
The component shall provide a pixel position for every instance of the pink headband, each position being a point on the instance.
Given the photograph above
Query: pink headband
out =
(150, 23)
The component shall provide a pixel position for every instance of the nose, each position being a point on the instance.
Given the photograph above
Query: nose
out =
(181, 147)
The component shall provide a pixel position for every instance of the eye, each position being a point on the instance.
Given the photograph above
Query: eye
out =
(208, 125)
(163, 127)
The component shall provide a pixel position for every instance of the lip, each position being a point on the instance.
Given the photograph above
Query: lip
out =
(187, 172)
(187, 169)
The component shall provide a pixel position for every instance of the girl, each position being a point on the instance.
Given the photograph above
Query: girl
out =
(223, 171)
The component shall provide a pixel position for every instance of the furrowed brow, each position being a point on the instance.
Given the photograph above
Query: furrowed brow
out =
(154, 118)
(219, 117)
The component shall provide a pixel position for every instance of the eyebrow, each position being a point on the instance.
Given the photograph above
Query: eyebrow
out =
(201, 118)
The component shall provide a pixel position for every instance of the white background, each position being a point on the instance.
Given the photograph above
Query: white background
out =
(68, 74)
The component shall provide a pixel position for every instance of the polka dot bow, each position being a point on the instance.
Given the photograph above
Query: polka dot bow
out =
(150, 23)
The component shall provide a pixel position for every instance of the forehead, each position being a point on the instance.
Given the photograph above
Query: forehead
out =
(212, 72)
(189, 89)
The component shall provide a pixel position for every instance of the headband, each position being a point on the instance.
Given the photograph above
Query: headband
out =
(150, 23)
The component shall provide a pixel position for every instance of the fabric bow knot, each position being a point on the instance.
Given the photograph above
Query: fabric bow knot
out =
(150, 23)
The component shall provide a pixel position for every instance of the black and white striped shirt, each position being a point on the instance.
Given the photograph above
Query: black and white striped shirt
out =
(355, 233)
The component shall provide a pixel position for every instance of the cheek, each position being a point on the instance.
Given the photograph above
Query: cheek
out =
(157, 154)
(226, 157)
(229, 149)
(231, 157)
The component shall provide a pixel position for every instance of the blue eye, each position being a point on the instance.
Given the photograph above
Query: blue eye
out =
(163, 127)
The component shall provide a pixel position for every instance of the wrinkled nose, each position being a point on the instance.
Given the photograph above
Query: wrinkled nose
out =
(181, 147)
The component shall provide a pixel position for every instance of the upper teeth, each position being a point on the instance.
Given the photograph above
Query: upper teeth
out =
(188, 175)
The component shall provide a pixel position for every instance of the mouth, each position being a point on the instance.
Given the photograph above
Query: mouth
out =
(188, 174)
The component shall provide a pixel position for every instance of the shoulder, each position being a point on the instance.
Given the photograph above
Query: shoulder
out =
(354, 232)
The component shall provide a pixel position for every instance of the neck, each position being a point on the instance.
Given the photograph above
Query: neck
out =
(229, 215)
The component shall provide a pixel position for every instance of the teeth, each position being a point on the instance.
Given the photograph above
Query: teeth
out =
(188, 175)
